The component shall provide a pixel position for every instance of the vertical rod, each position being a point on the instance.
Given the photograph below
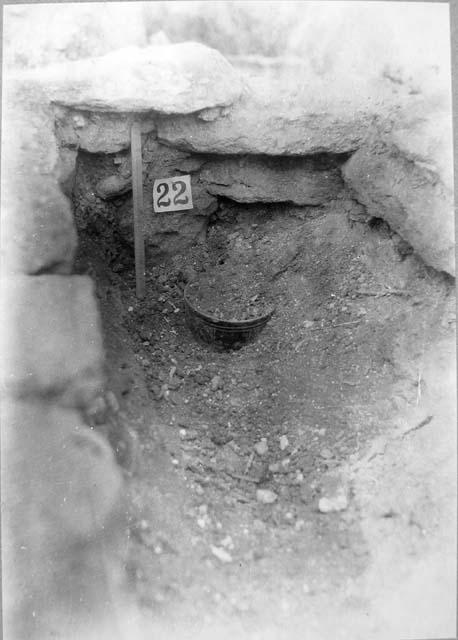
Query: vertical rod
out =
(137, 189)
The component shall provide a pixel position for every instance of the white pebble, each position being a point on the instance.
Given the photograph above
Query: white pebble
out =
(339, 502)
(261, 447)
(266, 496)
(221, 554)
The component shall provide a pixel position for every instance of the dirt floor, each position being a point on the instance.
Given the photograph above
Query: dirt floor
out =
(244, 523)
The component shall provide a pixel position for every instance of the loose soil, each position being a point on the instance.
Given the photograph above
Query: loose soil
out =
(226, 294)
(332, 369)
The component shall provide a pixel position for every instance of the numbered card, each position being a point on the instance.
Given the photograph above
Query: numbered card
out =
(172, 194)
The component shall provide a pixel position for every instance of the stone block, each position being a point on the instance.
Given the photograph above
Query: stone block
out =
(52, 343)
(246, 179)
(63, 519)
(178, 78)
(283, 125)
(38, 233)
(98, 132)
(411, 198)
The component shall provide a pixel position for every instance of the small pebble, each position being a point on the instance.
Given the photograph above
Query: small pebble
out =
(284, 442)
(339, 502)
(266, 496)
(326, 453)
(216, 383)
(261, 447)
(222, 555)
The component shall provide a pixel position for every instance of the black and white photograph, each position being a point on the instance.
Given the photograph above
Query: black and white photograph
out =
(228, 320)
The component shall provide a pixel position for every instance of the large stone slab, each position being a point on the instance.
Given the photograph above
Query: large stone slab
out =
(272, 125)
(179, 78)
(51, 339)
(298, 180)
(404, 176)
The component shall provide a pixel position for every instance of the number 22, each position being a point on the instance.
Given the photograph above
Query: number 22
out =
(163, 189)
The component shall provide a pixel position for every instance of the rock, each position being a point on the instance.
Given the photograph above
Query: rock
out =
(338, 502)
(113, 186)
(404, 182)
(221, 435)
(284, 442)
(290, 125)
(296, 180)
(98, 132)
(266, 496)
(216, 383)
(326, 453)
(52, 341)
(200, 378)
(38, 232)
(188, 274)
(222, 555)
(64, 511)
(170, 79)
(334, 491)
(261, 447)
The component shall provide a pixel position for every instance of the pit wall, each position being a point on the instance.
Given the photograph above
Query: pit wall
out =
(102, 192)
(63, 501)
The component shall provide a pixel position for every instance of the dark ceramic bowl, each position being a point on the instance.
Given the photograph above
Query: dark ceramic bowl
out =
(223, 333)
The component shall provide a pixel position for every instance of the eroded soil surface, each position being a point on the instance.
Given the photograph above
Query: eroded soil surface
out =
(211, 555)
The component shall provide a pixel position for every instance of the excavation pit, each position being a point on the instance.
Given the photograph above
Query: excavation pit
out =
(268, 483)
